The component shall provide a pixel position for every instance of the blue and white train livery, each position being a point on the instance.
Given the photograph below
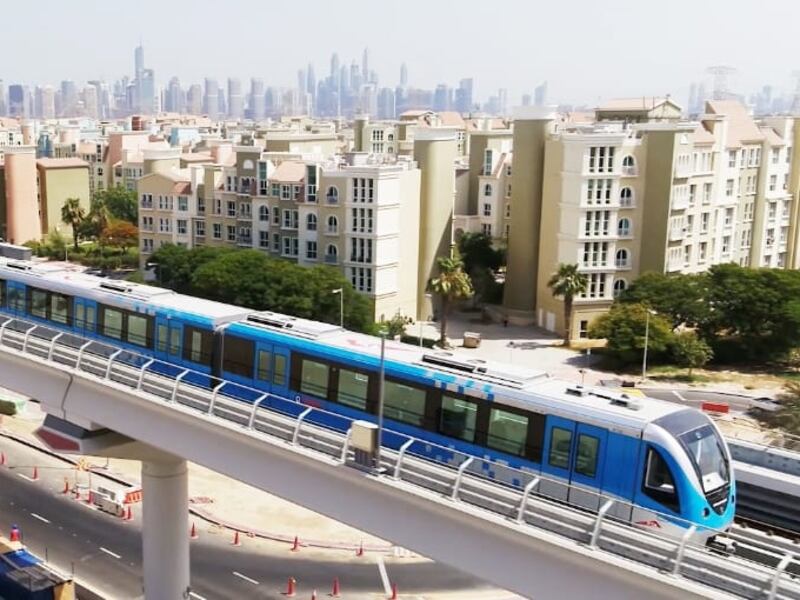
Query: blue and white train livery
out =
(668, 465)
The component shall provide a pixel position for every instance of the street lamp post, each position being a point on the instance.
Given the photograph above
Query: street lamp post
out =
(381, 385)
(340, 291)
(646, 340)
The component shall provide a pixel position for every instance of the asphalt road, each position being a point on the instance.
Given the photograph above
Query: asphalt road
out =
(697, 397)
(105, 551)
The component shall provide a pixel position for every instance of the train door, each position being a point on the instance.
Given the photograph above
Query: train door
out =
(16, 298)
(264, 366)
(85, 316)
(280, 371)
(588, 466)
(169, 339)
(559, 442)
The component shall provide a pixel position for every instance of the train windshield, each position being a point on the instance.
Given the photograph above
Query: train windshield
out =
(702, 443)
(705, 450)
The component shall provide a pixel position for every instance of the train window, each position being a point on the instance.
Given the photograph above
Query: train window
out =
(3, 292)
(586, 457)
(80, 315)
(279, 373)
(403, 403)
(197, 345)
(161, 338)
(37, 303)
(353, 389)
(137, 330)
(458, 417)
(16, 299)
(508, 432)
(238, 356)
(60, 308)
(314, 378)
(90, 317)
(264, 364)
(659, 484)
(111, 322)
(174, 341)
(560, 445)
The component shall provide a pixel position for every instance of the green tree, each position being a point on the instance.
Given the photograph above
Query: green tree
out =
(681, 298)
(567, 283)
(396, 325)
(450, 285)
(120, 234)
(477, 251)
(624, 328)
(120, 202)
(177, 264)
(690, 351)
(72, 214)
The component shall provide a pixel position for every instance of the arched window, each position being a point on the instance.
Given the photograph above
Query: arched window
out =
(626, 197)
(487, 189)
(622, 258)
(619, 287)
(628, 165)
(247, 164)
(332, 196)
(311, 222)
(624, 227)
(332, 253)
(390, 137)
(263, 213)
(333, 224)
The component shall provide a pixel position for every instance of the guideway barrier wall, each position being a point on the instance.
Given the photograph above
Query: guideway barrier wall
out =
(402, 464)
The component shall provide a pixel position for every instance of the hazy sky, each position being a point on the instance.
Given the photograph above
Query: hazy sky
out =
(586, 49)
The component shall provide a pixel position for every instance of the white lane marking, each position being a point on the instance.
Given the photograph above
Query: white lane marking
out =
(679, 397)
(384, 576)
(245, 577)
(31, 479)
(40, 518)
(198, 596)
(110, 553)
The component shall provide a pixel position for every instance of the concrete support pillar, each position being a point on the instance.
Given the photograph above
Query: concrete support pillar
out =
(165, 529)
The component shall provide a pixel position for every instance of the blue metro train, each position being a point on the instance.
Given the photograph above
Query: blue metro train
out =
(668, 464)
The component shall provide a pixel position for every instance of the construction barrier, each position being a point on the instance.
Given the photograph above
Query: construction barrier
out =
(715, 407)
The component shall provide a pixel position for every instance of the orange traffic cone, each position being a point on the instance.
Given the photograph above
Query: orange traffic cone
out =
(129, 514)
(360, 551)
(335, 593)
(66, 486)
(193, 535)
(394, 592)
(14, 537)
(236, 541)
(296, 545)
(290, 588)
(35, 473)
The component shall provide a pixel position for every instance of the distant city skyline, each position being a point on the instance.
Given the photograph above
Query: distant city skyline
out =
(517, 47)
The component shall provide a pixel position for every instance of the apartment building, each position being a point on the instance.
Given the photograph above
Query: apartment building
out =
(350, 214)
(639, 193)
(59, 179)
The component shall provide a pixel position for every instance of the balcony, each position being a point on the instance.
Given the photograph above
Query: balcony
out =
(677, 234)
(248, 189)
(331, 259)
(244, 241)
(682, 171)
(332, 198)
(628, 171)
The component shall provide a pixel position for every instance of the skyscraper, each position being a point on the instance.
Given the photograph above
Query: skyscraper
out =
(257, 99)
(44, 104)
(403, 75)
(464, 100)
(365, 66)
(211, 100)
(194, 100)
(19, 101)
(311, 87)
(174, 99)
(442, 98)
(90, 103)
(69, 98)
(540, 94)
(335, 68)
(235, 98)
(147, 92)
(138, 60)
(3, 100)
(355, 77)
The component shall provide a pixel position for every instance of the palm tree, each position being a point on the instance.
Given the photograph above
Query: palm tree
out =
(451, 284)
(566, 283)
(72, 214)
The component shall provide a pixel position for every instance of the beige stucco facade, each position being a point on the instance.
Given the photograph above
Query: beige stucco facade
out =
(60, 179)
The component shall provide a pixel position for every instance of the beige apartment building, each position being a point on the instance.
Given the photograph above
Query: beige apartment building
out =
(628, 194)
(59, 179)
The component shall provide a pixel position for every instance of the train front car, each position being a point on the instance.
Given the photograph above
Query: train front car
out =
(688, 479)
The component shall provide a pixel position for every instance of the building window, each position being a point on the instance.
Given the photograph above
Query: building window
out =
(216, 231)
(333, 225)
(595, 254)
(332, 195)
(276, 189)
(707, 193)
(276, 215)
(361, 278)
(332, 254)
(619, 287)
(487, 189)
(147, 201)
(231, 233)
(621, 259)
(147, 245)
(626, 197)
(276, 243)
(628, 165)
(601, 159)
(181, 226)
(486, 229)
(263, 213)
(583, 329)
(728, 217)
(624, 227)
(487, 209)
(729, 188)
(487, 162)
(311, 222)
(597, 223)
(732, 159)
(200, 228)
(596, 286)
(263, 239)
(776, 156)
(311, 250)
(773, 182)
